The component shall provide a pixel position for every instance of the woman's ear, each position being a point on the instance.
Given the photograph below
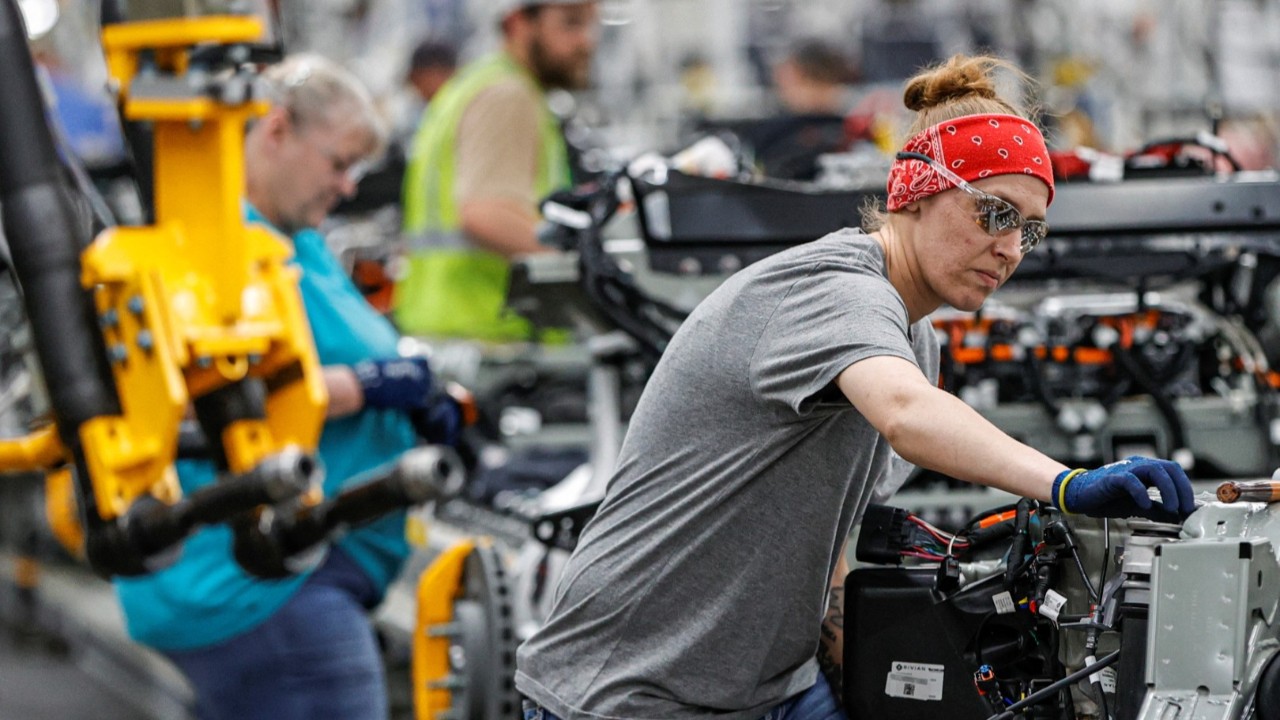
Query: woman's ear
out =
(275, 124)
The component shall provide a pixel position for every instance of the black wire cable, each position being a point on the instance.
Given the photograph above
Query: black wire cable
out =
(1084, 575)
(1090, 646)
(1056, 687)
(615, 291)
(1106, 553)
(1034, 375)
(1132, 364)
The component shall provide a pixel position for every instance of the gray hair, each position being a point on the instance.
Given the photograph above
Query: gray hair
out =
(316, 90)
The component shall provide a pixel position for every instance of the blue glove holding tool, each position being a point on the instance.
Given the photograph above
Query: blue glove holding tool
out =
(406, 384)
(395, 383)
(1120, 490)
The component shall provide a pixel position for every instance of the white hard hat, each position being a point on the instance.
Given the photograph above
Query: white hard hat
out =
(503, 8)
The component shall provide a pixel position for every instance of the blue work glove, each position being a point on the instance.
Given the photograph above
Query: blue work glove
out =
(440, 422)
(1120, 490)
(395, 383)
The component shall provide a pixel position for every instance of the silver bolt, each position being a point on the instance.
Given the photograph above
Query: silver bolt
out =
(118, 353)
(136, 305)
(204, 362)
(145, 341)
(109, 318)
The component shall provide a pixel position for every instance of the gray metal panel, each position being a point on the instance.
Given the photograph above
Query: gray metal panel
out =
(1166, 204)
(1203, 601)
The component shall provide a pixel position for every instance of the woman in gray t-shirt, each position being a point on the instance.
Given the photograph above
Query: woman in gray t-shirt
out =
(699, 590)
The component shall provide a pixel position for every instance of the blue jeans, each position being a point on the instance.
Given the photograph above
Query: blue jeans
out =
(816, 703)
(317, 657)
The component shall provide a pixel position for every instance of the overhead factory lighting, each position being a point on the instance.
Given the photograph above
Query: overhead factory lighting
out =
(40, 16)
(616, 12)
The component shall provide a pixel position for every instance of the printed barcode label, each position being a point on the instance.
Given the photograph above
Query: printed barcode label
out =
(914, 681)
(1052, 605)
(1107, 676)
(1004, 603)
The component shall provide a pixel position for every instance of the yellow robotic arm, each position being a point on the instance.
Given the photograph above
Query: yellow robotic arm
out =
(200, 304)
(197, 311)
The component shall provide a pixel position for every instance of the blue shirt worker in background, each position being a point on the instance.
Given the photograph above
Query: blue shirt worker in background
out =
(302, 647)
(486, 153)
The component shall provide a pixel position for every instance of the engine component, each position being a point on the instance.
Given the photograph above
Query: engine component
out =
(980, 625)
(985, 635)
(1188, 625)
(1083, 376)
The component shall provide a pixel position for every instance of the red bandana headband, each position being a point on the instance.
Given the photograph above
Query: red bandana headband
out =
(973, 147)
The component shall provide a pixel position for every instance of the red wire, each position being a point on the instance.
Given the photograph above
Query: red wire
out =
(921, 554)
(946, 540)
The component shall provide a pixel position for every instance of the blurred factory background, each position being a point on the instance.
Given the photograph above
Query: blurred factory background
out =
(1114, 74)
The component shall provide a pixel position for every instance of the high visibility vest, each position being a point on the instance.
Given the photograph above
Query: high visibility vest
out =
(450, 288)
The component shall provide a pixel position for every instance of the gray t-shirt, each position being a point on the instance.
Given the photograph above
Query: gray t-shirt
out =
(699, 588)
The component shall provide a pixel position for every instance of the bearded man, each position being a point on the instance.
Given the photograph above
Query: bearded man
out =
(488, 149)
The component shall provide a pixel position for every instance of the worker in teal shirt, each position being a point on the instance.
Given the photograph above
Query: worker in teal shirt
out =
(302, 647)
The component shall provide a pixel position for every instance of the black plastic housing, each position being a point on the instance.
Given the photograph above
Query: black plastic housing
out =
(894, 621)
(882, 535)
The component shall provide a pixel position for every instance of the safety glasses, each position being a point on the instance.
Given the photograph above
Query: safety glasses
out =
(995, 215)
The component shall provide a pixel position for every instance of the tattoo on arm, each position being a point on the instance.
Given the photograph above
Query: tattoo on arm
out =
(835, 608)
(831, 643)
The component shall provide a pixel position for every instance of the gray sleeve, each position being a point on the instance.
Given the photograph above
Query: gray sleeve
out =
(829, 319)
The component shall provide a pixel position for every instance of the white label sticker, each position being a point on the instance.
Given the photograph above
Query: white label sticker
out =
(1004, 603)
(1052, 605)
(914, 681)
(1107, 676)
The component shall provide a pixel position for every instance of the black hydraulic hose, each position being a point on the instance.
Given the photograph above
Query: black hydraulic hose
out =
(153, 526)
(193, 444)
(45, 241)
(278, 542)
(216, 410)
(145, 538)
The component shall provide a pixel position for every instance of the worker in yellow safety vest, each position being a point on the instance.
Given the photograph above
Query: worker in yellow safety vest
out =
(488, 149)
